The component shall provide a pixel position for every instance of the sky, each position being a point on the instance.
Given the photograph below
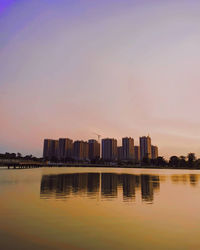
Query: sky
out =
(73, 68)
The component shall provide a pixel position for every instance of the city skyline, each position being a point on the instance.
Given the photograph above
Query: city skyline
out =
(99, 124)
(106, 149)
(113, 67)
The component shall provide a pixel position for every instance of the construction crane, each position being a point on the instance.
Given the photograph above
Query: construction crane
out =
(99, 136)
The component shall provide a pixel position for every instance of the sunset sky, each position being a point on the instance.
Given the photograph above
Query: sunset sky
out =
(72, 68)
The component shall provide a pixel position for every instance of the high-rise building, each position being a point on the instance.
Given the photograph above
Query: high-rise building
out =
(145, 147)
(86, 150)
(80, 150)
(65, 148)
(109, 149)
(50, 149)
(154, 152)
(94, 150)
(137, 153)
(119, 153)
(128, 148)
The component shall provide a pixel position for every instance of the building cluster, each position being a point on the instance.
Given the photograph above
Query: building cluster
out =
(64, 149)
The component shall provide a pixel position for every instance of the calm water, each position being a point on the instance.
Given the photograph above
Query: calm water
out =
(88, 208)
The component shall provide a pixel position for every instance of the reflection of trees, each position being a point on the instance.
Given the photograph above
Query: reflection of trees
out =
(64, 185)
(193, 179)
(185, 179)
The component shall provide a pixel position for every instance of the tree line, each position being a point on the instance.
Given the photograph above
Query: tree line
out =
(183, 162)
(187, 162)
(19, 156)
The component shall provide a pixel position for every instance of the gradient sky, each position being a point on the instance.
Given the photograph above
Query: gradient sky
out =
(115, 67)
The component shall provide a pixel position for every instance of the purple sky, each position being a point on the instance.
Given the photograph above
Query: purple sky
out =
(117, 68)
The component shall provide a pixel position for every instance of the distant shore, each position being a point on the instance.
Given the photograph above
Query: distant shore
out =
(127, 166)
(28, 165)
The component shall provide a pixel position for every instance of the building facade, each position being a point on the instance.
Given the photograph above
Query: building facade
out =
(145, 147)
(137, 153)
(154, 152)
(128, 148)
(109, 149)
(50, 149)
(80, 150)
(65, 149)
(94, 150)
(119, 153)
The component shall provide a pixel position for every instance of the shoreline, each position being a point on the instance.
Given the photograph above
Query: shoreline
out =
(53, 165)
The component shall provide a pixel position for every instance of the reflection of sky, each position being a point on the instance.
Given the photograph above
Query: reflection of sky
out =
(29, 222)
(118, 68)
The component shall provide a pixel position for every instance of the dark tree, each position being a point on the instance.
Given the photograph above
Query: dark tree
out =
(160, 161)
(174, 162)
(191, 160)
(183, 163)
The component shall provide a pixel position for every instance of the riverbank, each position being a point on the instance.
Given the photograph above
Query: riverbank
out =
(12, 165)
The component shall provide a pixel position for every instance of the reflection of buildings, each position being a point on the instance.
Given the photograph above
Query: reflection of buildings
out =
(148, 184)
(109, 184)
(63, 185)
(129, 185)
(146, 188)
(93, 183)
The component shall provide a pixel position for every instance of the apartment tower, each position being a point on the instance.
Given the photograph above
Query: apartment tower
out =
(109, 149)
(145, 147)
(137, 153)
(154, 152)
(128, 148)
(50, 149)
(94, 150)
(80, 150)
(119, 153)
(65, 148)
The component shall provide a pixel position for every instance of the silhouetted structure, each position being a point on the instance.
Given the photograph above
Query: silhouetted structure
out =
(65, 149)
(154, 152)
(120, 153)
(128, 148)
(109, 149)
(94, 150)
(137, 153)
(145, 147)
(50, 149)
(81, 150)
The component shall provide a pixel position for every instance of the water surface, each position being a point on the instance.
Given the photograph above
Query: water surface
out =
(99, 208)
